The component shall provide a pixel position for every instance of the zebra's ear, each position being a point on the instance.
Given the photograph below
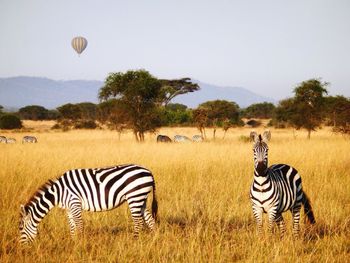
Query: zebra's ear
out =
(23, 211)
(254, 136)
(266, 135)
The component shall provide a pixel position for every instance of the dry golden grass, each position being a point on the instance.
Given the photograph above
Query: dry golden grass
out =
(203, 193)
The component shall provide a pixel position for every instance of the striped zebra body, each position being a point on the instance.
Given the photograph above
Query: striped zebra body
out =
(99, 189)
(3, 139)
(181, 138)
(11, 140)
(276, 189)
(197, 138)
(29, 139)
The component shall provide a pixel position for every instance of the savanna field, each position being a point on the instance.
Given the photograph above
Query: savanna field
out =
(203, 196)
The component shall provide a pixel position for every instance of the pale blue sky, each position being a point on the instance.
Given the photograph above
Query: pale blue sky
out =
(265, 46)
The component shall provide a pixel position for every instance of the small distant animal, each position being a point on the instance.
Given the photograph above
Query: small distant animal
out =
(276, 189)
(11, 140)
(163, 138)
(3, 139)
(197, 138)
(29, 139)
(181, 138)
(94, 189)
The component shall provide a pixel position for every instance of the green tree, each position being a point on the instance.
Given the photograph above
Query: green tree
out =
(70, 111)
(139, 92)
(1, 110)
(10, 121)
(175, 114)
(88, 110)
(306, 109)
(263, 110)
(308, 104)
(219, 112)
(33, 112)
(338, 112)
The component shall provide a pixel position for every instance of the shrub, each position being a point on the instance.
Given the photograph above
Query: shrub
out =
(9, 122)
(253, 123)
(90, 124)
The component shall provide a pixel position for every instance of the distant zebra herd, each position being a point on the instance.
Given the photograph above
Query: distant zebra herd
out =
(180, 138)
(26, 139)
(274, 190)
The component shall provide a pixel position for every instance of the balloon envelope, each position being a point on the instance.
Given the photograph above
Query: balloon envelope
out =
(79, 44)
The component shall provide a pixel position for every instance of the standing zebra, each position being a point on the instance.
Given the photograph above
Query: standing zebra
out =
(181, 138)
(276, 189)
(3, 139)
(98, 189)
(30, 139)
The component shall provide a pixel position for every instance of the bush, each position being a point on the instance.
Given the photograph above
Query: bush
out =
(253, 123)
(86, 125)
(9, 122)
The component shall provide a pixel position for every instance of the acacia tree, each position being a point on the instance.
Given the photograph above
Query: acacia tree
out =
(138, 92)
(172, 88)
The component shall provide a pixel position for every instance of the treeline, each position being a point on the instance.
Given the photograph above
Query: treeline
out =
(138, 101)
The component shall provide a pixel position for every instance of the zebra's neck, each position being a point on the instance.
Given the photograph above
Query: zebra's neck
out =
(42, 202)
(261, 171)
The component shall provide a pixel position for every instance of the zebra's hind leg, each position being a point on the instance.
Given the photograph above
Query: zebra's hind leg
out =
(137, 209)
(296, 219)
(281, 225)
(148, 219)
(74, 217)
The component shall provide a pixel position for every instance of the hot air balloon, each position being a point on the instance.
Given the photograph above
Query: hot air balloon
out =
(79, 44)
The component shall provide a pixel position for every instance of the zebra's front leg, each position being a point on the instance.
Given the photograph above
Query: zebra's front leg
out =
(74, 218)
(272, 219)
(257, 212)
(296, 219)
(281, 225)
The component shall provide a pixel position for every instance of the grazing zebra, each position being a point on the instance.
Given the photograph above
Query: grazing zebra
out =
(276, 189)
(98, 189)
(3, 139)
(197, 138)
(30, 139)
(181, 138)
(163, 138)
(11, 140)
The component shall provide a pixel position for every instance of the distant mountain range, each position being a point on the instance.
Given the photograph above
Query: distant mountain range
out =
(17, 92)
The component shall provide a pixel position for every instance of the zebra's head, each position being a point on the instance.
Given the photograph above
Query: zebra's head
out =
(260, 150)
(27, 228)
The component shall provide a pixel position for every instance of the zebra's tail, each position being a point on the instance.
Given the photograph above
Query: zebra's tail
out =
(310, 217)
(154, 203)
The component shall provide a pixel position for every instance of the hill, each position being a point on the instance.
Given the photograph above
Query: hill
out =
(16, 92)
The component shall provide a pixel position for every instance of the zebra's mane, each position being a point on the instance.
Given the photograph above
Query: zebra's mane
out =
(42, 189)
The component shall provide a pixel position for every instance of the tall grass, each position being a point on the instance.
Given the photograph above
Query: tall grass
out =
(203, 191)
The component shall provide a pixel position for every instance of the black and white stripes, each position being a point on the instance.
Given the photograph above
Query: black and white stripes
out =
(276, 189)
(99, 189)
